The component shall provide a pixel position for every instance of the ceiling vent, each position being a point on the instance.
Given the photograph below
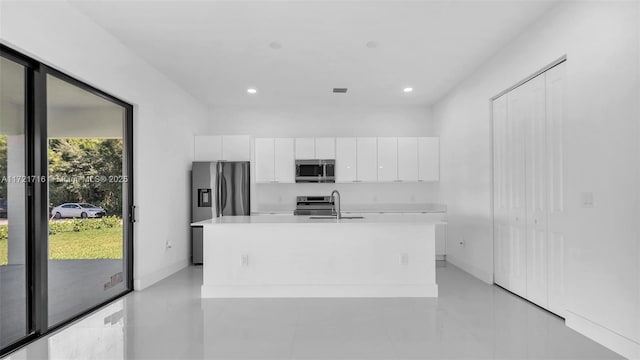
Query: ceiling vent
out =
(339, 90)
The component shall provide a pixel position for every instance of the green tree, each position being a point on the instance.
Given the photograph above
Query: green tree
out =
(3, 165)
(86, 170)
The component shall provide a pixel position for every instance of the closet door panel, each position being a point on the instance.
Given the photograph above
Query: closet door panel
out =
(516, 115)
(500, 192)
(556, 183)
(534, 121)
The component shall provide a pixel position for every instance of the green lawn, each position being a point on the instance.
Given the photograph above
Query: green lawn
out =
(87, 244)
(102, 243)
(3, 251)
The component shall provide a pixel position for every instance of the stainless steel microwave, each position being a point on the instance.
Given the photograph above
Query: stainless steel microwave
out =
(316, 171)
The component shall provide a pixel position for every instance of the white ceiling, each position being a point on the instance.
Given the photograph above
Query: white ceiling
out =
(217, 49)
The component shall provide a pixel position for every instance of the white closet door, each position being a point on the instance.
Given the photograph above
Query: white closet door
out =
(555, 95)
(534, 117)
(516, 103)
(500, 192)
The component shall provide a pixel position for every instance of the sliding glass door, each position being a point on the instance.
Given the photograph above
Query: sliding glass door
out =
(66, 199)
(14, 296)
(87, 198)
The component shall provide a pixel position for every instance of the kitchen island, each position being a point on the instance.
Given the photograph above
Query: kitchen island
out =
(379, 255)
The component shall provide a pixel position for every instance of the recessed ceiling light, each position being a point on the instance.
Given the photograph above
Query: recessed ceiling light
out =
(407, 89)
(252, 91)
(275, 45)
(371, 44)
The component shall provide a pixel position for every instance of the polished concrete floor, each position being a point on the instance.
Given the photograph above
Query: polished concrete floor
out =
(470, 320)
(74, 287)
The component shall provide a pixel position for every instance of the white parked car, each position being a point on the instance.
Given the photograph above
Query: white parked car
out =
(73, 210)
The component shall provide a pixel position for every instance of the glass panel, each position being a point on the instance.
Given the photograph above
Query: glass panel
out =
(86, 184)
(13, 255)
(310, 170)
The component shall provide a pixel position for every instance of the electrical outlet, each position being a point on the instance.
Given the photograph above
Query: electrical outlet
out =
(587, 200)
(404, 259)
(244, 260)
(168, 245)
(462, 242)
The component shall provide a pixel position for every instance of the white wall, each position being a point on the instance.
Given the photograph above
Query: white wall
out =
(165, 120)
(321, 121)
(329, 121)
(601, 41)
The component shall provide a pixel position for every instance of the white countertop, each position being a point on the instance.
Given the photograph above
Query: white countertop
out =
(301, 219)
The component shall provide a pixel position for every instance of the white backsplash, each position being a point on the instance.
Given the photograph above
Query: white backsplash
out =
(282, 197)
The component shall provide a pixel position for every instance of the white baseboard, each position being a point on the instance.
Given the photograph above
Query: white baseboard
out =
(320, 291)
(486, 277)
(149, 279)
(606, 337)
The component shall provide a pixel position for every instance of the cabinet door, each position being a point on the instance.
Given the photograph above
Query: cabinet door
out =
(264, 159)
(556, 213)
(305, 148)
(346, 160)
(408, 159)
(387, 159)
(207, 148)
(285, 167)
(534, 121)
(367, 159)
(325, 148)
(428, 159)
(236, 147)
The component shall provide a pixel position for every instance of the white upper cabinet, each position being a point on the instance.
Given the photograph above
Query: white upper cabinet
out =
(346, 160)
(408, 159)
(274, 160)
(325, 148)
(387, 159)
(236, 147)
(428, 159)
(207, 148)
(265, 159)
(358, 159)
(225, 147)
(284, 161)
(367, 159)
(305, 148)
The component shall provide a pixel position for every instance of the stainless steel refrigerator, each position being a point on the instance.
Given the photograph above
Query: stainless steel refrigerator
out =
(218, 188)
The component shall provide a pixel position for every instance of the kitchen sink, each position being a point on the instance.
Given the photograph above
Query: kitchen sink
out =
(334, 218)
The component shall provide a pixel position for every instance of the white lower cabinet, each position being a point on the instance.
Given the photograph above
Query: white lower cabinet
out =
(529, 190)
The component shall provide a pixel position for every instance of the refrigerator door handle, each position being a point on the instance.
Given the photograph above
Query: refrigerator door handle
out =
(224, 194)
(218, 189)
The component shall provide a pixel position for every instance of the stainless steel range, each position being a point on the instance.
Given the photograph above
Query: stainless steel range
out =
(314, 205)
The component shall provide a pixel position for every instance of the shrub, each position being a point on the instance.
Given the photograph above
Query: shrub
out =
(78, 225)
(4, 232)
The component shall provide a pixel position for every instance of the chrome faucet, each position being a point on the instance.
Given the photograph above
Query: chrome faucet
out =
(336, 203)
